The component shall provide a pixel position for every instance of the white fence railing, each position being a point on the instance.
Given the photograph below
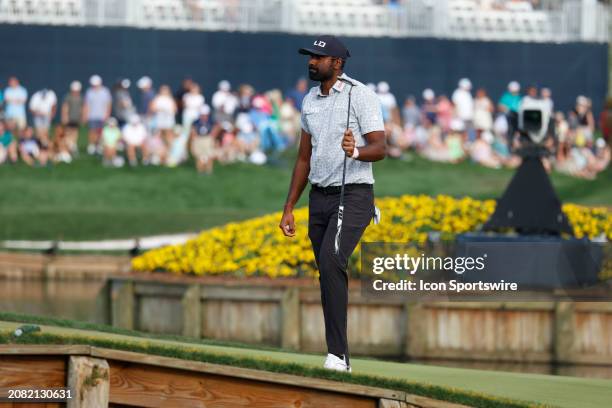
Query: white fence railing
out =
(558, 21)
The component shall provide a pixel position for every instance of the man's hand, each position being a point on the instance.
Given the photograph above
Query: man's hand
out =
(348, 142)
(287, 224)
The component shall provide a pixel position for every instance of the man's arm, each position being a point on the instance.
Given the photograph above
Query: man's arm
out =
(299, 178)
(375, 150)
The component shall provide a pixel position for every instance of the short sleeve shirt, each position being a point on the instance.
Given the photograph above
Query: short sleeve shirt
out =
(324, 118)
(98, 99)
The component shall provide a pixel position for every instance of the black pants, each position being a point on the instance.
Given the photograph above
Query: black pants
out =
(333, 276)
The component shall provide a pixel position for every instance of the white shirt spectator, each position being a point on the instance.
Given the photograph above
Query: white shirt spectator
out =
(134, 133)
(192, 103)
(42, 102)
(464, 104)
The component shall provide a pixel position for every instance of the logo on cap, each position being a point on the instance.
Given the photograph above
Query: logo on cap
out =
(320, 43)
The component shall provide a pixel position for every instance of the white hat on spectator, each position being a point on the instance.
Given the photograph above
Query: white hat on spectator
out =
(225, 86)
(465, 83)
(457, 125)
(428, 94)
(514, 86)
(582, 100)
(75, 86)
(488, 137)
(95, 80)
(144, 82)
(383, 87)
(371, 86)
(600, 143)
(205, 109)
(111, 121)
(134, 118)
(125, 83)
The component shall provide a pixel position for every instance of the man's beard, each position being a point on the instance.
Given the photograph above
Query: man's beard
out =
(316, 75)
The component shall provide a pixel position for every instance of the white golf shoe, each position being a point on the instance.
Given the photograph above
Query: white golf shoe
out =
(337, 364)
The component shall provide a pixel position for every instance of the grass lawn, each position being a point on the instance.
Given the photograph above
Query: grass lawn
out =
(84, 200)
(555, 391)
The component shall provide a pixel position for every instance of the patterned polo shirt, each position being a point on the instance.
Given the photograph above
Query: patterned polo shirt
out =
(324, 118)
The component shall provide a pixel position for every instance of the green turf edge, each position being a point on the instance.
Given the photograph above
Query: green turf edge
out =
(104, 328)
(431, 391)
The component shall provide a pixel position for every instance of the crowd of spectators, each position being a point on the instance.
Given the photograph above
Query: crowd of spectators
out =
(162, 127)
(471, 126)
(158, 127)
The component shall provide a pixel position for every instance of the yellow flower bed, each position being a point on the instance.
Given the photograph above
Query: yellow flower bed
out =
(258, 247)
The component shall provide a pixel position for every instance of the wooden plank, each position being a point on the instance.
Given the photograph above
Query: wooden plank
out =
(32, 372)
(602, 307)
(245, 373)
(192, 312)
(290, 319)
(31, 404)
(538, 306)
(15, 349)
(246, 293)
(145, 386)
(159, 289)
(88, 378)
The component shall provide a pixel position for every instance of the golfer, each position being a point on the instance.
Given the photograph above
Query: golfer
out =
(329, 148)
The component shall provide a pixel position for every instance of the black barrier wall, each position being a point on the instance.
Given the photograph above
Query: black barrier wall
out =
(53, 56)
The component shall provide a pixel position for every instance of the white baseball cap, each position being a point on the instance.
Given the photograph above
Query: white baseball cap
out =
(465, 83)
(371, 86)
(95, 80)
(75, 86)
(125, 83)
(225, 85)
(144, 82)
(205, 110)
(514, 86)
(428, 94)
(383, 87)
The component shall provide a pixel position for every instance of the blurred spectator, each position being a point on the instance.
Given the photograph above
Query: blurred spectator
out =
(60, 150)
(531, 95)
(97, 110)
(111, 135)
(1, 103)
(123, 107)
(511, 99)
(271, 140)
(387, 101)
(411, 115)
(8, 145)
(224, 103)
(15, 97)
(134, 134)
(147, 94)
(585, 123)
(429, 109)
(29, 149)
(72, 114)
(297, 93)
(464, 102)
(509, 105)
(483, 111)
(481, 151)
(444, 112)
(164, 109)
(245, 95)
(289, 122)
(185, 87)
(203, 142)
(43, 106)
(193, 101)
(546, 96)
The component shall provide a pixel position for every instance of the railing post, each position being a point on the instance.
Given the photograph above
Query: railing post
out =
(122, 304)
(88, 380)
(291, 324)
(192, 312)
